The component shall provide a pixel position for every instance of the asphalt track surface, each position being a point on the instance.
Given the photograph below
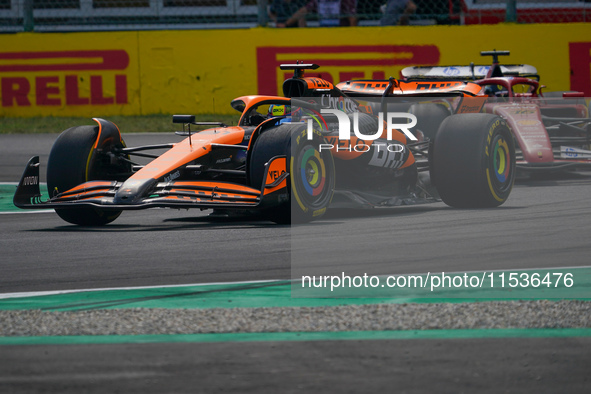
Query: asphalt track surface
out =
(544, 224)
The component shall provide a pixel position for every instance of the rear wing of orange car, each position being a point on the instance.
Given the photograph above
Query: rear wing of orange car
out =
(397, 88)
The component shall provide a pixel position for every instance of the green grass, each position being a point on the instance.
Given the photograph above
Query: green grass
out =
(127, 124)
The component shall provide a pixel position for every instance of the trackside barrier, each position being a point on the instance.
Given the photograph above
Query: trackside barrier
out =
(201, 71)
(111, 15)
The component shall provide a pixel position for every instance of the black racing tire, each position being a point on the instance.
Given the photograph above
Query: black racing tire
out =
(72, 162)
(368, 124)
(429, 117)
(473, 161)
(312, 174)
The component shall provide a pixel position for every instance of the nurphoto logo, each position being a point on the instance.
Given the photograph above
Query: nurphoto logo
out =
(345, 129)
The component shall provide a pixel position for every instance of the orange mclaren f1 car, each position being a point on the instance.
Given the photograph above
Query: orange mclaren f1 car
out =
(289, 158)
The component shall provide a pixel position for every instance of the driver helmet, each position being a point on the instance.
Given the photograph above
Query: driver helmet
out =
(276, 110)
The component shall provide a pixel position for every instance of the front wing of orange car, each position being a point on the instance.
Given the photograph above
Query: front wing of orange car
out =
(171, 194)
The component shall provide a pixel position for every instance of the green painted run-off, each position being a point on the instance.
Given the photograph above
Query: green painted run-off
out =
(301, 336)
(278, 294)
(7, 194)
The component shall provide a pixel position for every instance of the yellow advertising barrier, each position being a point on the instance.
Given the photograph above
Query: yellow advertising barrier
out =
(133, 73)
(69, 74)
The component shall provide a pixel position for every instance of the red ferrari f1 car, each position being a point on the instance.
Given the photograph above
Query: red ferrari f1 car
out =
(552, 130)
(288, 159)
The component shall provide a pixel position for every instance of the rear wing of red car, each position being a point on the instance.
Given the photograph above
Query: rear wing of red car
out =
(466, 73)
(471, 72)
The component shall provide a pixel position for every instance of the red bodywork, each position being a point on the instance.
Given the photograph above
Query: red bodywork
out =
(521, 103)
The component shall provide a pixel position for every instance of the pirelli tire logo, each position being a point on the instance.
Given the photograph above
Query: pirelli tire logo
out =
(63, 78)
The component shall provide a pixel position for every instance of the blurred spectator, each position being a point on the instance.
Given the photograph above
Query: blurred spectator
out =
(281, 10)
(441, 12)
(330, 12)
(397, 12)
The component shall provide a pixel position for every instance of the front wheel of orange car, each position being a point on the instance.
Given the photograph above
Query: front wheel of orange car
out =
(311, 172)
(73, 160)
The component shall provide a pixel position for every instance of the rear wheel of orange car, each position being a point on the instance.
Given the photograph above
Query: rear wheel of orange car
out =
(311, 172)
(73, 161)
(473, 161)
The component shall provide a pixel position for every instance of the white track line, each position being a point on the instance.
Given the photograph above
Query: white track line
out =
(56, 292)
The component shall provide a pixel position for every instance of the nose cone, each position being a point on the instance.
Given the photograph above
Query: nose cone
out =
(132, 191)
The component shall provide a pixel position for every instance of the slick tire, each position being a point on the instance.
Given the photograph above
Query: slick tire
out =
(473, 161)
(72, 162)
(312, 177)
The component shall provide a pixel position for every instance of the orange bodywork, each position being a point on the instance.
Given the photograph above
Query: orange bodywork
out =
(372, 88)
(188, 150)
(318, 83)
(277, 168)
(249, 101)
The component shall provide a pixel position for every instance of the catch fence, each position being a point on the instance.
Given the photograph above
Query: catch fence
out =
(101, 15)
